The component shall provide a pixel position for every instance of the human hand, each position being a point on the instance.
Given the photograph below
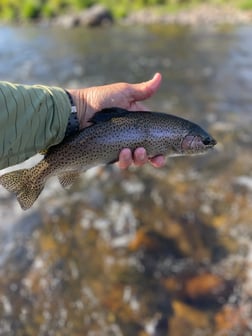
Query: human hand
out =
(128, 96)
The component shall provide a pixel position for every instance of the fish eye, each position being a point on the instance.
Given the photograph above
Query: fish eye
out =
(206, 141)
(209, 141)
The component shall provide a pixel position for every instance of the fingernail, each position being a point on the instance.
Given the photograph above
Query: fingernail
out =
(127, 157)
(141, 157)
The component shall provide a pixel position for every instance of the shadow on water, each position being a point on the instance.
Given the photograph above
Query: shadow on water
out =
(139, 252)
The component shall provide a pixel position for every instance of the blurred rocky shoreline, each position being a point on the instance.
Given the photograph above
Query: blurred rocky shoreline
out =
(206, 14)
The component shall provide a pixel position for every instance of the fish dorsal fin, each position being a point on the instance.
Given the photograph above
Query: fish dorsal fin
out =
(108, 114)
(67, 179)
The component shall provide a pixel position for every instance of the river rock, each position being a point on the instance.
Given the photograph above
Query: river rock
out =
(67, 21)
(231, 318)
(96, 15)
(244, 182)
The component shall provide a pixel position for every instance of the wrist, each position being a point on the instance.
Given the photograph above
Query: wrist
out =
(73, 125)
(79, 104)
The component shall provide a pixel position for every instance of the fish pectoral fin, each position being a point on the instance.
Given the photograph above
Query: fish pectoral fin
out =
(67, 179)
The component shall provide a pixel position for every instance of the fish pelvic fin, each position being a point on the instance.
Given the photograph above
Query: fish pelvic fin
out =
(67, 179)
(19, 182)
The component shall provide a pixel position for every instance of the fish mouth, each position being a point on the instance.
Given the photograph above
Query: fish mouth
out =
(197, 143)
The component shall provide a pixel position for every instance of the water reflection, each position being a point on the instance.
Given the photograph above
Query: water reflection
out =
(142, 252)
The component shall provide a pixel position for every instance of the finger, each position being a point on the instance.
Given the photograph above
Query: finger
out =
(144, 90)
(125, 158)
(158, 161)
(140, 156)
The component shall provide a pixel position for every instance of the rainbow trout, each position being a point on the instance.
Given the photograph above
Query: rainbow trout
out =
(112, 130)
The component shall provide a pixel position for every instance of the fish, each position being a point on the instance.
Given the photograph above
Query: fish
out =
(110, 131)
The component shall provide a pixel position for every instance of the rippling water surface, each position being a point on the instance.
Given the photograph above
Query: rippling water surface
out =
(144, 251)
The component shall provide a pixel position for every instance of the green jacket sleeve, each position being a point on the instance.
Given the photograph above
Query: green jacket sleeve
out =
(32, 118)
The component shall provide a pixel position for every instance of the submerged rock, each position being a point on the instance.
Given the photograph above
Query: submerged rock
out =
(244, 182)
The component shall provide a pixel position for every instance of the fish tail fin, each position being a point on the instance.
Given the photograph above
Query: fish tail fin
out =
(20, 183)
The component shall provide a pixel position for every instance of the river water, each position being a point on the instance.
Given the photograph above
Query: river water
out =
(144, 251)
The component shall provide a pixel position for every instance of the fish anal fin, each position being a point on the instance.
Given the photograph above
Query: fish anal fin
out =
(67, 179)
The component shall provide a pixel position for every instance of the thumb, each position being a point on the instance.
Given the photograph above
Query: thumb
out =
(144, 90)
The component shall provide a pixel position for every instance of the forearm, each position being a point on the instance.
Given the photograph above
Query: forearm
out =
(32, 118)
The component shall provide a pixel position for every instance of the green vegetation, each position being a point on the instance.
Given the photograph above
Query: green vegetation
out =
(34, 9)
(245, 4)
